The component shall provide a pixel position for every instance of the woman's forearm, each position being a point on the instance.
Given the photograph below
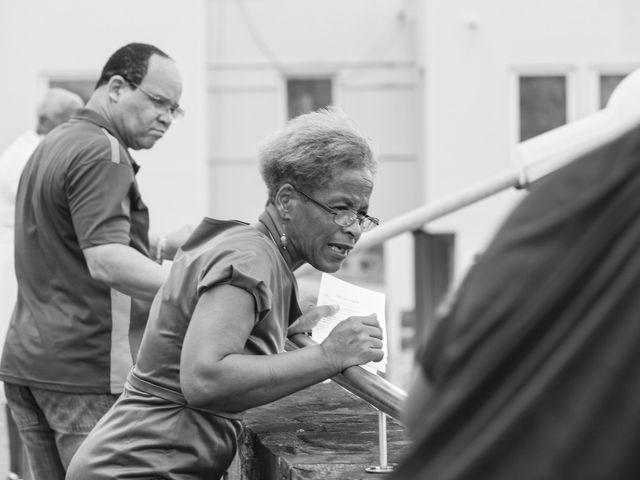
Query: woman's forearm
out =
(244, 381)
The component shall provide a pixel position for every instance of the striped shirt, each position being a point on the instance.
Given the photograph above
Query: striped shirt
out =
(68, 331)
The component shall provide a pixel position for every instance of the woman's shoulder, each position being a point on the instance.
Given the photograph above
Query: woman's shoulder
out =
(216, 242)
(246, 237)
(211, 229)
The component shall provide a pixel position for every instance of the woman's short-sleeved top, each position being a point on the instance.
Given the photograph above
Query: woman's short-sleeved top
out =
(218, 253)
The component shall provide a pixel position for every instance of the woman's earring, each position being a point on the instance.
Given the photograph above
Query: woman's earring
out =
(283, 238)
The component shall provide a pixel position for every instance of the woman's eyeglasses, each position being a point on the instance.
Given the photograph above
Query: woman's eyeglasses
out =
(346, 218)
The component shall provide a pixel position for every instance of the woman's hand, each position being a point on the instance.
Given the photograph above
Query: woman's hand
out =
(311, 315)
(354, 341)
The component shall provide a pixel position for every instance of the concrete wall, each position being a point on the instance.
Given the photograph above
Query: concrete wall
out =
(73, 38)
(319, 433)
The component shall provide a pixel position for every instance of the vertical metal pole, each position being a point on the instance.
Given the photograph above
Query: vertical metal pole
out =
(384, 466)
(382, 438)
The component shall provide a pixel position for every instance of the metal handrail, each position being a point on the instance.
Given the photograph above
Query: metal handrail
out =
(383, 395)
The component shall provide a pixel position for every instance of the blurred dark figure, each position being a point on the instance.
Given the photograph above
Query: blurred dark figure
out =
(531, 374)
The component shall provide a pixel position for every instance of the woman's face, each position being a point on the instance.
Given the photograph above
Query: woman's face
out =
(313, 235)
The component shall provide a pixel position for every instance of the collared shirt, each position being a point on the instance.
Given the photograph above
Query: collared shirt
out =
(70, 332)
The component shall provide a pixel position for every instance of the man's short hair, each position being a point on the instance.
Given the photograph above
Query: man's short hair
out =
(130, 61)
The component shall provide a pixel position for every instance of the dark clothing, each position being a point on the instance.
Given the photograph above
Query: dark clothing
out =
(534, 365)
(165, 437)
(69, 332)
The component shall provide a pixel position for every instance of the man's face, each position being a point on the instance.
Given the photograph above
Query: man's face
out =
(145, 113)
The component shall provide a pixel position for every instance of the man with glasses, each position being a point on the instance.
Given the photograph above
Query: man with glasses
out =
(85, 267)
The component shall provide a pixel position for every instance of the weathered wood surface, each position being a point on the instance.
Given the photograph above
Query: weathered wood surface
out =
(322, 432)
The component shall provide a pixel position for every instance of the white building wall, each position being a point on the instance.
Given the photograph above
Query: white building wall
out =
(473, 52)
(366, 46)
(74, 38)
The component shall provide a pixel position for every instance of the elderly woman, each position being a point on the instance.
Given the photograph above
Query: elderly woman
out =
(214, 341)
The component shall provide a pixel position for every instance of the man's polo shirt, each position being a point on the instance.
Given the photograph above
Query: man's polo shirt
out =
(68, 331)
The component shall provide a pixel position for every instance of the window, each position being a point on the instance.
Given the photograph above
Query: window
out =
(305, 95)
(84, 88)
(608, 83)
(543, 104)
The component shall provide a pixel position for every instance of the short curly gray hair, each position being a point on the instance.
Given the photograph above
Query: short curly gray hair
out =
(312, 149)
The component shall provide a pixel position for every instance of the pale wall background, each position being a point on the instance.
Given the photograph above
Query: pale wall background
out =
(366, 46)
(473, 52)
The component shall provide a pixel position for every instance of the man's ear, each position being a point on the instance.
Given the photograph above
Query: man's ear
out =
(283, 200)
(115, 87)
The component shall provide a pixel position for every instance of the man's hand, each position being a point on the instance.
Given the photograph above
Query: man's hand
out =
(311, 315)
(170, 242)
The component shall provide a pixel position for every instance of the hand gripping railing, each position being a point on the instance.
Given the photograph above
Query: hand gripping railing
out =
(380, 393)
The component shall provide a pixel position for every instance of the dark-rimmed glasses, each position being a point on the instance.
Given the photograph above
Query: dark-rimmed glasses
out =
(161, 104)
(346, 218)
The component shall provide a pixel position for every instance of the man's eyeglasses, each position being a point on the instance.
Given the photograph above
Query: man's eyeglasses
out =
(346, 218)
(162, 105)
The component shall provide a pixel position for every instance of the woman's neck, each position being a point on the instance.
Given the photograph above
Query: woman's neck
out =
(271, 221)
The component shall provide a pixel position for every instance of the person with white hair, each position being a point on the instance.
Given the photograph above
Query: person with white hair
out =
(55, 108)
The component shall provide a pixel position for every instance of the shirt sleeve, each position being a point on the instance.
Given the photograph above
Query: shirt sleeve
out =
(98, 192)
(245, 269)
